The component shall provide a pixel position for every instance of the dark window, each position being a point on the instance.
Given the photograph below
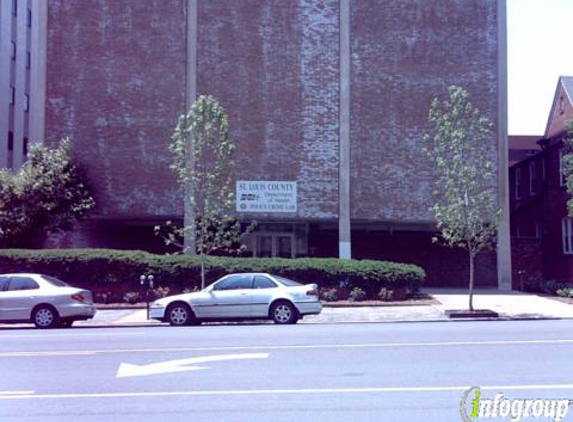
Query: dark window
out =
(28, 60)
(12, 95)
(287, 282)
(14, 7)
(54, 281)
(3, 283)
(10, 141)
(13, 51)
(26, 102)
(25, 146)
(22, 283)
(262, 282)
(29, 18)
(235, 282)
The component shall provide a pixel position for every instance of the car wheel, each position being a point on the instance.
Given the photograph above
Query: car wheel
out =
(180, 314)
(45, 316)
(66, 323)
(284, 313)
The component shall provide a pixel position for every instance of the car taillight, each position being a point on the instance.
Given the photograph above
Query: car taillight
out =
(78, 297)
(312, 292)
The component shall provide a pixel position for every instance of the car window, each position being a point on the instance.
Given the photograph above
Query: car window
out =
(262, 282)
(3, 283)
(235, 282)
(287, 282)
(22, 283)
(54, 281)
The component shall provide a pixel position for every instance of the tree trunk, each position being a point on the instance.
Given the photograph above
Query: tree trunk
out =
(189, 217)
(202, 271)
(471, 292)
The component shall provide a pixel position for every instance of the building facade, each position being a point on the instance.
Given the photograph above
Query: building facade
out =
(541, 230)
(329, 97)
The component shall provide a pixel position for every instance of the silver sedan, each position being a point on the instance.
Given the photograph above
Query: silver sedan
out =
(240, 297)
(43, 300)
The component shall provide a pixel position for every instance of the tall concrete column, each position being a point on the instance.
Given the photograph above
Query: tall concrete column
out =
(190, 96)
(503, 233)
(20, 96)
(344, 242)
(5, 62)
(38, 70)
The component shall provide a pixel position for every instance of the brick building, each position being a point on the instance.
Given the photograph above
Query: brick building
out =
(329, 97)
(541, 231)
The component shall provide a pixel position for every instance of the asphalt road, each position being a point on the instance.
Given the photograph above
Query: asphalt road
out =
(332, 372)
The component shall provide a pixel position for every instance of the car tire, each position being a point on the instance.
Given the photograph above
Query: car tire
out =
(45, 316)
(284, 312)
(66, 323)
(179, 314)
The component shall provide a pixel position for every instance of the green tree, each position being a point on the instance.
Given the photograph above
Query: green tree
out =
(48, 194)
(203, 159)
(568, 166)
(461, 149)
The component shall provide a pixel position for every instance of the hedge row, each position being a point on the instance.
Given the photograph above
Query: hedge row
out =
(103, 270)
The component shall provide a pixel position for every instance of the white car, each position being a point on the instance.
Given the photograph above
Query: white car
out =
(43, 300)
(240, 297)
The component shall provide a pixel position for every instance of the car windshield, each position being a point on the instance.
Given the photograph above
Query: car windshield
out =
(286, 281)
(54, 281)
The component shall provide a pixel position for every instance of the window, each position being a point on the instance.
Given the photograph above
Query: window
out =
(12, 95)
(13, 50)
(235, 282)
(28, 60)
(563, 179)
(25, 147)
(29, 18)
(532, 178)
(518, 183)
(10, 141)
(287, 282)
(22, 283)
(54, 281)
(262, 282)
(14, 7)
(567, 232)
(3, 283)
(26, 102)
(538, 230)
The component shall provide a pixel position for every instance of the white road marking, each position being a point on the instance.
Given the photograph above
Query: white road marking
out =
(70, 335)
(288, 391)
(291, 347)
(180, 365)
(11, 393)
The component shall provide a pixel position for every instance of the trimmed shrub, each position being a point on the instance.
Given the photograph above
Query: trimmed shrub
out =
(357, 295)
(117, 272)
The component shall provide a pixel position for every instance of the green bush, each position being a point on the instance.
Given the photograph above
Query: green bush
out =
(116, 272)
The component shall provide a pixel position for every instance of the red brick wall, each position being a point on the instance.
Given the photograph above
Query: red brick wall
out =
(115, 85)
(274, 66)
(405, 53)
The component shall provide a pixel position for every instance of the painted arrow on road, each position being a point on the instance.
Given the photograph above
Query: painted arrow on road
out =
(180, 365)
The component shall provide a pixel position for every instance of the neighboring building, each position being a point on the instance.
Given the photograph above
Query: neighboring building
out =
(21, 71)
(542, 233)
(329, 97)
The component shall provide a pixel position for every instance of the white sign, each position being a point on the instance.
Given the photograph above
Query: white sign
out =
(264, 196)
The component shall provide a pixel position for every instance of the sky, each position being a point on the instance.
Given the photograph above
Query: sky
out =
(539, 50)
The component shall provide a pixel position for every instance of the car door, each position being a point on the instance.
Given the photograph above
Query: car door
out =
(3, 286)
(230, 298)
(263, 291)
(18, 298)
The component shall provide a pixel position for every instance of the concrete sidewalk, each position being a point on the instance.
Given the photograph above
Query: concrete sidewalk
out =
(509, 305)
